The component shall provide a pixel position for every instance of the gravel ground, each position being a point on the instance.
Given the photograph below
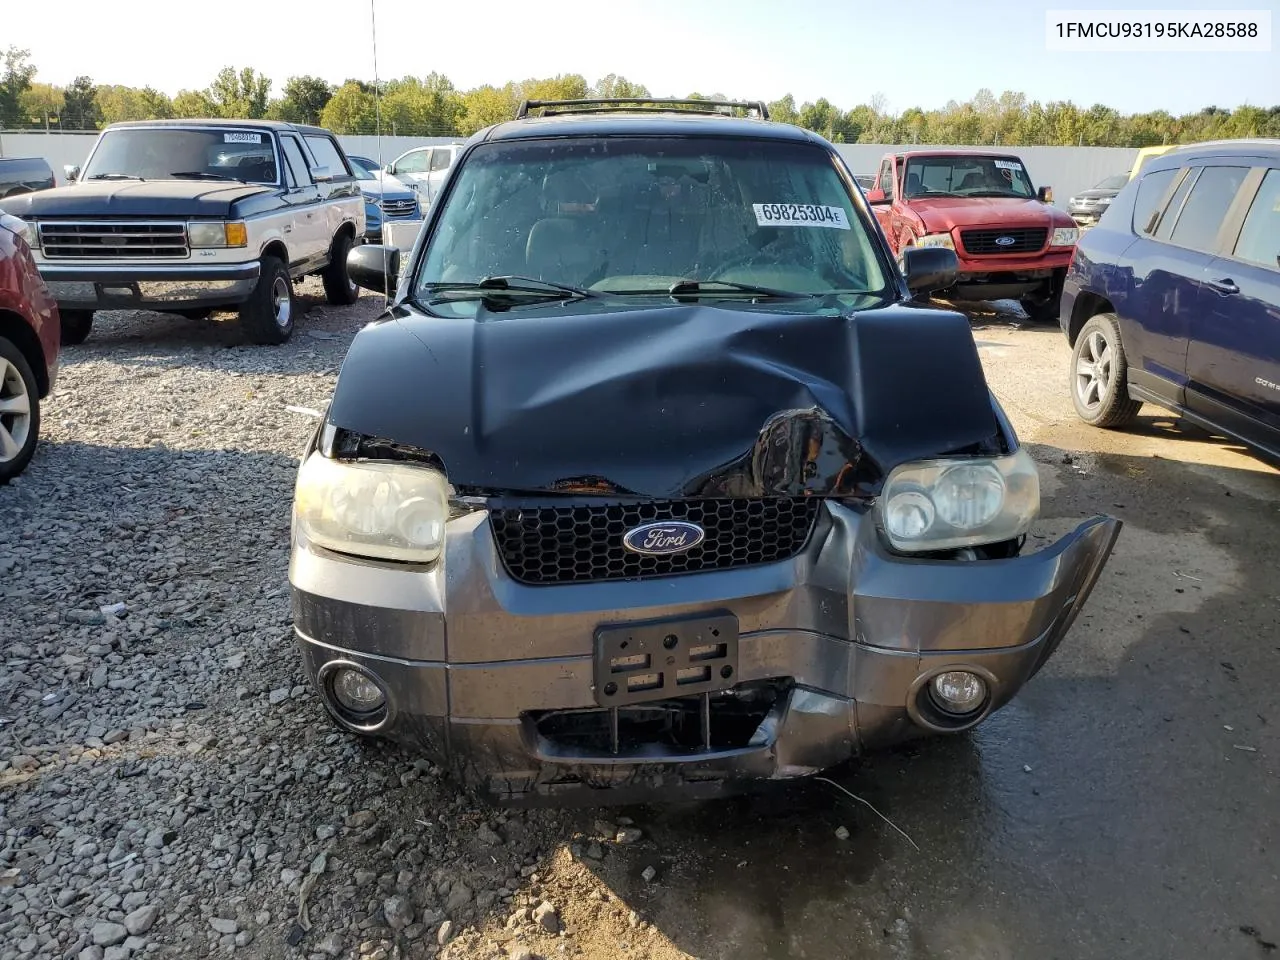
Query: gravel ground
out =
(170, 788)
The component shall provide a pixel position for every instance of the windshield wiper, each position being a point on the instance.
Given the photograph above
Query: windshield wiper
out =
(114, 176)
(201, 175)
(504, 287)
(686, 288)
(998, 193)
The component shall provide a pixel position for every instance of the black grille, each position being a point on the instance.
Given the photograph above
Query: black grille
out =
(1030, 240)
(112, 240)
(573, 544)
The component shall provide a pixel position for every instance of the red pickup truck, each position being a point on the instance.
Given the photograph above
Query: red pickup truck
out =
(1009, 240)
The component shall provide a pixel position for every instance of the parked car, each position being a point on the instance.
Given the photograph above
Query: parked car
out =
(28, 348)
(1010, 241)
(425, 168)
(185, 216)
(865, 180)
(1145, 154)
(1088, 205)
(1174, 297)
(385, 199)
(24, 175)
(653, 433)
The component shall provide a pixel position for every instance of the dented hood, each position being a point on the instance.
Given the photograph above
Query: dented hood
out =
(670, 401)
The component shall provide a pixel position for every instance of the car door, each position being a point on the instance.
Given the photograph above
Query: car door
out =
(1233, 361)
(309, 237)
(437, 170)
(341, 185)
(413, 169)
(884, 183)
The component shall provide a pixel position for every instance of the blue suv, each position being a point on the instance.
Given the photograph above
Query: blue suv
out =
(1174, 297)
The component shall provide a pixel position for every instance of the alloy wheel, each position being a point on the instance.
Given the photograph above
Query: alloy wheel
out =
(1095, 370)
(15, 412)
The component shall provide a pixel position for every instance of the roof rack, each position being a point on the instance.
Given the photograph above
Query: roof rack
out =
(551, 108)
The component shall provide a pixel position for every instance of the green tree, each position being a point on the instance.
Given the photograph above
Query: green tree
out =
(116, 103)
(350, 110)
(303, 101)
(784, 110)
(42, 102)
(612, 85)
(195, 104)
(15, 77)
(80, 109)
(429, 107)
(485, 106)
(241, 95)
(569, 86)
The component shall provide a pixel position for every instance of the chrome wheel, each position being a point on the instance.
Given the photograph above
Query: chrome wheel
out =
(1095, 370)
(282, 302)
(15, 412)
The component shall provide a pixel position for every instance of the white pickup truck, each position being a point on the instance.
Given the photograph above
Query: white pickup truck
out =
(188, 216)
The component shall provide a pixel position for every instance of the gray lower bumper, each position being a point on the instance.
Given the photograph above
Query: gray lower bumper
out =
(475, 663)
(126, 286)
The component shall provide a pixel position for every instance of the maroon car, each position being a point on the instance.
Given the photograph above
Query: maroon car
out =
(29, 334)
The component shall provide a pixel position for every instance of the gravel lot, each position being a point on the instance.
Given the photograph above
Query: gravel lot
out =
(169, 787)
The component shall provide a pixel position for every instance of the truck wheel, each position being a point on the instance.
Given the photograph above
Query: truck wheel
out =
(267, 316)
(76, 325)
(1046, 312)
(19, 411)
(338, 287)
(1099, 388)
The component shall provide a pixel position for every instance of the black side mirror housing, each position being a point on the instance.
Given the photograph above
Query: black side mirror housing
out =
(374, 267)
(929, 269)
(1045, 194)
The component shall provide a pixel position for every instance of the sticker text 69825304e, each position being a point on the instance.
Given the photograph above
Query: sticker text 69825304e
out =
(800, 215)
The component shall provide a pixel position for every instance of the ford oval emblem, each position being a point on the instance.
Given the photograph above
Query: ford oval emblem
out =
(664, 538)
(1006, 241)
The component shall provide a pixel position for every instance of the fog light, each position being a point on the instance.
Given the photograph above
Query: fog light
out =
(958, 692)
(356, 692)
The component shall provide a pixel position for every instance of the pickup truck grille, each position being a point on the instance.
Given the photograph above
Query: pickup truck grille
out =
(392, 209)
(113, 240)
(582, 543)
(1029, 240)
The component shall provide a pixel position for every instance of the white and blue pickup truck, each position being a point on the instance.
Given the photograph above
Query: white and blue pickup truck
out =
(189, 216)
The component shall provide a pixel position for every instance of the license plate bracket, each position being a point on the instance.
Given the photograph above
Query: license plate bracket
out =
(661, 659)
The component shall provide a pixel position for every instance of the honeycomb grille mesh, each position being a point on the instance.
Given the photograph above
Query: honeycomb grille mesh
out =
(583, 543)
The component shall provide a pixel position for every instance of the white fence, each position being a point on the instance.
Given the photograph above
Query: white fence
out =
(1067, 169)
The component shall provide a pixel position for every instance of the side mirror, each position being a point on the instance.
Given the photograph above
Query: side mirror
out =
(929, 269)
(876, 196)
(1045, 194)
(390, 168)
(71, 171)
(374, 267)
(321, 174)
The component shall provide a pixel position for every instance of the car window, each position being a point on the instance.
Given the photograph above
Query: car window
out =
(183, 153)
(415, 162)
(440, 160)
(1259, 240)
(1169, 216)
(293, 154)
(967, 176)
(886, 178)
(640, 213)
(327, 155)
(1147, 205)
(1113, 183)
(1206, 207)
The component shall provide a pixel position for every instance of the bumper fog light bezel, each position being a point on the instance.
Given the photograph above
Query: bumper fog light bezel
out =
(369, 721)
(924, 709)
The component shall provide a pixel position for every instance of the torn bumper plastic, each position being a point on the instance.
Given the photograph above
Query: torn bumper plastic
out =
(813, 660)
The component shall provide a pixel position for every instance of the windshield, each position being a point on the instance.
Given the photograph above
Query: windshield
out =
(1113, 183)
(633, 216)
(363, 165)
(967, 176)
(170, 153)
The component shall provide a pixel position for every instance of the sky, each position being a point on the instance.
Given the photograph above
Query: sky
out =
(921, 53)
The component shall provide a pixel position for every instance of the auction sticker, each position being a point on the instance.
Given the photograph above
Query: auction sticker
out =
(1008, 164)
(242, 138)
(800, 215)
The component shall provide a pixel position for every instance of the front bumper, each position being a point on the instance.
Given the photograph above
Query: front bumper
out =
(127, 286)
(999, 278)
(480, 670)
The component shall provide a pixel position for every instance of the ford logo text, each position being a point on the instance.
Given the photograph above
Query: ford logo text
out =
(663, 539)
(1005, 241)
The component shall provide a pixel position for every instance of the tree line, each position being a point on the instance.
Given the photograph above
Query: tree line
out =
(432, 106)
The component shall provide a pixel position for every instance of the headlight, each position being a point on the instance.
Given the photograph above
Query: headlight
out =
(960, 502)
(1105, 201)
(1064, 236)
(386, 511)
(217, 234)
(936, 240)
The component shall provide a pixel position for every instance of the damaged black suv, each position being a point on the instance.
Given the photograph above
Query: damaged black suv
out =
(652, 481)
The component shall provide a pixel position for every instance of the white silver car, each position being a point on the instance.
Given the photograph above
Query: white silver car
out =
(424, 169)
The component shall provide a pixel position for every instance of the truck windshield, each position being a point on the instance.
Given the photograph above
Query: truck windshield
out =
(171, 153)
(967, 176)
(633, 216)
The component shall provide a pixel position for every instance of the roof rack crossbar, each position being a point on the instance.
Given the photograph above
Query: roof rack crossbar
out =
(603, 104)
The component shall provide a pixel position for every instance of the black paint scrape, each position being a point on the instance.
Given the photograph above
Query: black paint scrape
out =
(672, 400)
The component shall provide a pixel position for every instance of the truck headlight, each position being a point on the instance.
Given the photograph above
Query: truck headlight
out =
(1064, 236)
(960, 502)
(205, 233)
(936, 240)
(384, 511)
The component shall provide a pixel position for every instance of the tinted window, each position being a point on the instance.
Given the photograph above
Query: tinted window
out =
(293, 153)
(1203, 213)
(1146, 206)
(440, 159)
(1260, 239)
(1170, 214)
(415, 162)
(886, 178)
(327, 155)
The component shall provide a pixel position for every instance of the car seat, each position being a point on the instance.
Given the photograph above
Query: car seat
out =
(913, 184)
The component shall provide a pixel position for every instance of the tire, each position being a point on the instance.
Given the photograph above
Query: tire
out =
(1099, 388)
(338, 288)
(19, 411)
(1046, 312)
(76, 325)
(268, 315)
